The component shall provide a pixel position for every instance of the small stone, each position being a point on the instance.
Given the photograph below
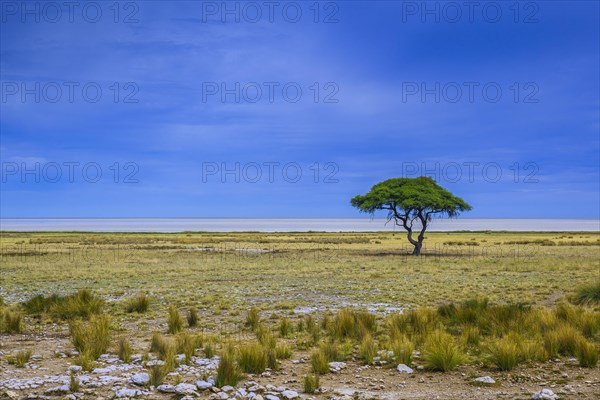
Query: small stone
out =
(185, 388)
(228, 389)
(289, 394)
(58, 389)
(545, 394)
(166, 389)
(127, 393)
(404, 368)
(140, 379)
(485, 379)
(75, 368)
(203, 385)
(336, 366)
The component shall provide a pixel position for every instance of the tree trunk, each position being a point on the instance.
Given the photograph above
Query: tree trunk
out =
(417, 249)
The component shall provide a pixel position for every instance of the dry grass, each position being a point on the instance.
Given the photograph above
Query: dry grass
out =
(91, 338)
(441, 353)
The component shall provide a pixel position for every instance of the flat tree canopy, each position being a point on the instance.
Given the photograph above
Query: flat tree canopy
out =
(408, 200)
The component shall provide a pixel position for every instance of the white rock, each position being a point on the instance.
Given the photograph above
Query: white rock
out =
(289, 394)
(203, 385)
(404, 368)
(545, 394)
(140, 379)
(223, 395)
(75, 368)
(166, 388)
(127, 393)
(336, 366)
(58, 389)
(345, 392)
(228, 389)
(185, 388)
(271, 397)
(485, 379)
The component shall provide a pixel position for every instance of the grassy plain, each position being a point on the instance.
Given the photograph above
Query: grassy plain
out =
(346, 279)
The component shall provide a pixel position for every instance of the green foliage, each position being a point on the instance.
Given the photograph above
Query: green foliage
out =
(253, 318)
(403, 349)
(228, 373)
(21, 358)
(139, 303)
(124, 350)
(192, 317)
(157, 375)
(348, 323)
(252, 358)
(367, 349)
(186, 343)
(158, 344)
(285, 327)
(265, 336)
(311, 384)
(82, 304)
(283, 351)
(174, 320)
(209, 349)
(74, 383)
(588, 294)
(11, 321)
(86, 361)
(410, 194)
(587, 354)
(440, 353)
(504, 353)
(92, 338)
(319, 362)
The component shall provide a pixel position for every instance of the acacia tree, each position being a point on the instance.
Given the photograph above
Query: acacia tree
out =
(408, 200)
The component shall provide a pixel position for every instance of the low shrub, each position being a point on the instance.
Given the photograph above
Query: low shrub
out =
(440, 353)
(253, 318)
(311, 384)
(285, 327)
(367, 349)
(283, 351)
(82, 304)
(174, 321)
(192, 317)
(587, 354)
(252, 358)
(139, 303)
(319, 362)
(93, 337)
(11, 321)
(588, 294)
(228, 373)
(403, 349)
(504, 353)
(124, 350)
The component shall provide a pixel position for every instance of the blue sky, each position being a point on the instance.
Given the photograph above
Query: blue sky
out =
(499, 103)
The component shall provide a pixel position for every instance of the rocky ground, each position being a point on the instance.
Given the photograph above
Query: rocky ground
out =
(47, 375)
